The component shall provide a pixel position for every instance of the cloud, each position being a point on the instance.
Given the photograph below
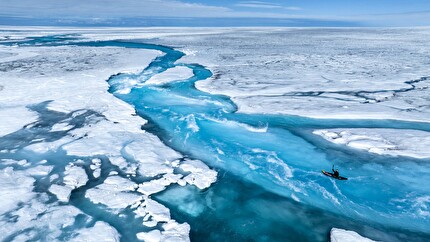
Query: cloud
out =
(264, 5)
(258, 4)
(293, 8)
(394, 19)
(109, 8)
(115, 9)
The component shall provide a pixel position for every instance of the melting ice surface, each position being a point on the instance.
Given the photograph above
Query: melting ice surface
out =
(270, 187)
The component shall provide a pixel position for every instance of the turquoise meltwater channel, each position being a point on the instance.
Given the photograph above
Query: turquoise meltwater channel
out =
(270, 186)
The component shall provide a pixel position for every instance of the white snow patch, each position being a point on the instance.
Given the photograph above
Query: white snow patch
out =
(96, 167)
(61, 192)
(115, 193)
(74, 176)
(14, 118)
(158, 185)
(36, 215)
(39, 170)
(159, 212)
(61, 127)
(151, 236)
(341, 235)
(174, 231)
(394, 142)
(101, 231)
(153, 156)
(173, 74)
(15, 187)
(200, 174)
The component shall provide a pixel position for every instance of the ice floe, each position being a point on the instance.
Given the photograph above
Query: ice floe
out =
(34, 219)
(96, 167)
(154, 158)
(74, 176)
(394, 142)
(61, 192)
(101, 231)
(39, 170)
(341, 235)
(115, 193)
(158, 185)
(200, 174)
(14, 118)
(174, 74)
(15, 188)
(151, 236)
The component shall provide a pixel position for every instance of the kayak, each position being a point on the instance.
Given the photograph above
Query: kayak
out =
(332, 175)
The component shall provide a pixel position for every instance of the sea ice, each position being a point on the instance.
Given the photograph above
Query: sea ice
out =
(74, 176)
(101, 231)
(200, 174)
(159, 212)
(15, 188)
(14, 118)
(365, 78)
(394, 142)
(174, 231)
(39, 170)
(151, 236)
(357, 74)
(115, 193)
(174, 74)
(341, 235)
(61, 192)
(96, 167)
(158, 185)
(113, 130)
(47, 221)
(154, 158)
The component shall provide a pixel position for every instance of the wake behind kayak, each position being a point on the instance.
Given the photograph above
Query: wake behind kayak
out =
(333, 176)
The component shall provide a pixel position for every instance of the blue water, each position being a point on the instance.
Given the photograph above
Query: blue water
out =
(270, 187)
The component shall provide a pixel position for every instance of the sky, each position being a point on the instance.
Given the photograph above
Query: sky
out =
(216, 12)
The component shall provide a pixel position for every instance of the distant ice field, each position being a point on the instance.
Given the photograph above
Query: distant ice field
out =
(214, 134)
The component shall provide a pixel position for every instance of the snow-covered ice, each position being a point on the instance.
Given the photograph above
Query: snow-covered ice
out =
(151, 236)
(341, 235)
(174, 74)
(158, 185)
(394, 142)
(154, 158)
(15, 187)
(96, 167)
(115, 193)
(11, 123)
(200, 174)
(62, 192)
(75, 176)
(321, 73)
(70, 119)
(88, 122)
(101, 231)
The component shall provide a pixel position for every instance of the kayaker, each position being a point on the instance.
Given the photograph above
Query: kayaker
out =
(335, 172)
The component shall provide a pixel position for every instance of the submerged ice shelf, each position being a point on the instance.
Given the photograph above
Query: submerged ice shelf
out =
(133, 185)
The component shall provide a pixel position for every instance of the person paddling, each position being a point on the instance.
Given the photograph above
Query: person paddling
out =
(335, 172)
